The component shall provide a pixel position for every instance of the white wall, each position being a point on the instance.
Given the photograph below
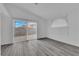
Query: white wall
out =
(5, 26)
(0, 33)
(68, 34)
(7, 33)
(0, 28)
(74, 27)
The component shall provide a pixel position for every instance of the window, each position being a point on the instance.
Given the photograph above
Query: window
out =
(20, 23)
(59, 23)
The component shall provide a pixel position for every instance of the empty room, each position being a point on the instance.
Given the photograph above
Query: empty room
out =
(39, 29)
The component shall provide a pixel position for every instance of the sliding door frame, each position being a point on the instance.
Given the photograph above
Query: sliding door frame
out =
(26, 29)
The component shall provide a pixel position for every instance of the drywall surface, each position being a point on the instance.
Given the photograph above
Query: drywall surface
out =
(0, 29)
(68, 34)
(74, 27)
(5, 26)
(0, 25)
(60, 34)
(7, 33)
(0, 34)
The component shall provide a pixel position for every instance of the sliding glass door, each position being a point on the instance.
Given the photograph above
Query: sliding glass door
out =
(24, 30)
(32, 31)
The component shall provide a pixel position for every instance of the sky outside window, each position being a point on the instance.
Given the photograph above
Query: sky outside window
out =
(20, 23)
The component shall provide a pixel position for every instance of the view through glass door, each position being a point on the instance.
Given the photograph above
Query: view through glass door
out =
(32, 31)
(24, 30)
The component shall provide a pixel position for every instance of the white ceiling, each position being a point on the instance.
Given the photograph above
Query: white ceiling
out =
(48, 10)
(3, 10)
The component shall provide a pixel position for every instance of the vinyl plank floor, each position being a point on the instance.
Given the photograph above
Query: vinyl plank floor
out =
(45, 47)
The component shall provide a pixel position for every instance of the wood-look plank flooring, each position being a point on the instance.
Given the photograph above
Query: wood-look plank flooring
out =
(45, 47)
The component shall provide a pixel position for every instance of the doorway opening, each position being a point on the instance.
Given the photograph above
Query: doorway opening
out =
(24, 30)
